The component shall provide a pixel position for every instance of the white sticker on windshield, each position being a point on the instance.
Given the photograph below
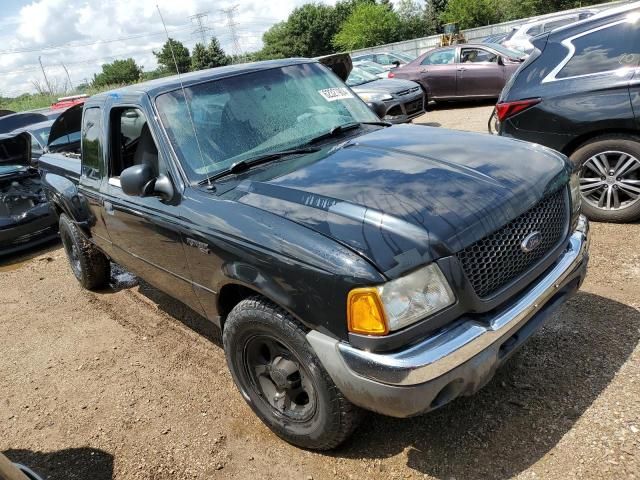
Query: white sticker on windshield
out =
(333, 94)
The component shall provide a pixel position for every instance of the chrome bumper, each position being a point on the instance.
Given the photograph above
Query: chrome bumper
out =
(470, 346)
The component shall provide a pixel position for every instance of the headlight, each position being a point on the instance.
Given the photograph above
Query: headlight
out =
(374, 96)
(574, 188)
(398, 303)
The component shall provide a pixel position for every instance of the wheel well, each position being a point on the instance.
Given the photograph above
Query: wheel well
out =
(576, 143)
(230, 295)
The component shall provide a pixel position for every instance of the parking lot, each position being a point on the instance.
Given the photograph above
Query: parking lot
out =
(129, 384)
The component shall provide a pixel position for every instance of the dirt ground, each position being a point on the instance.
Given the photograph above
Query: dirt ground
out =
(129, 384)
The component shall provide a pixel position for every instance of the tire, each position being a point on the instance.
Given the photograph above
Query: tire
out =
(90, 266)
(282, 380)
(608, 188)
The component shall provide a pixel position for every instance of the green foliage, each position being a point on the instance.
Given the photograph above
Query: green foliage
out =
(165, 57)
(367, 26)
(412, 19)
(118, 71)
(27, 101)
(432, 12)
(210, 56)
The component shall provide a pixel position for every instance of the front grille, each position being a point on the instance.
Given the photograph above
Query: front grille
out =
(413, 107)
(407, 91)
(495, 260)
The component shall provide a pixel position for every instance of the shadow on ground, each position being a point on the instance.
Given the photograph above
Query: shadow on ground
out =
(16, 260)
(460, 104)
(525, 410)
(70, 464)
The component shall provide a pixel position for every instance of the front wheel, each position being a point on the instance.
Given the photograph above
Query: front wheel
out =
(610, 178)
(282, 380)
(89, 265)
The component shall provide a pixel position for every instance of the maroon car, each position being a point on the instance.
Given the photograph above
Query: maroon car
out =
(461, 72)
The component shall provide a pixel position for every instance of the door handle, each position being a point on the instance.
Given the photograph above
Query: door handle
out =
(462, 69)
(108, 207)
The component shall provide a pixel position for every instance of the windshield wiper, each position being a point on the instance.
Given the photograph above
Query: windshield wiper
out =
(340, 129)
(243, 165)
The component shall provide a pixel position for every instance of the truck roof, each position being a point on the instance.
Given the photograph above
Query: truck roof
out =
(167, 84)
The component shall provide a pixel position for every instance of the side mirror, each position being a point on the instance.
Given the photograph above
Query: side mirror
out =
(131, 114)
(139, 181)
(500, 60)
(379, 108)
(396, 63)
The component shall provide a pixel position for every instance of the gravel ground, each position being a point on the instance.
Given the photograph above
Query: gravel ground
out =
(129, 384)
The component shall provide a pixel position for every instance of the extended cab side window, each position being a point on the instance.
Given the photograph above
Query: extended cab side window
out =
(131, 143)
(604, 50)
(92, 163)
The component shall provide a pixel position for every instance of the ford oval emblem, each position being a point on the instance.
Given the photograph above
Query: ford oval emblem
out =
(531, 242)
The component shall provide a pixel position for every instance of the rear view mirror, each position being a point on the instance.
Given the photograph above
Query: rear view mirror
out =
(379, 108)
(131, 114)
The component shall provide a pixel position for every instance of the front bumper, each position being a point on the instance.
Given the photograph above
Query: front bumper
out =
(403, 110)
(39, 226)
(458, 360)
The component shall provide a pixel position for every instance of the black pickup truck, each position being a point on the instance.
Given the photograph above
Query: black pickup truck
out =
(349, 263)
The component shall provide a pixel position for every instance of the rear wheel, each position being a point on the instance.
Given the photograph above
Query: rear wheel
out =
(610, 178)
(281, 378)
(89, 265)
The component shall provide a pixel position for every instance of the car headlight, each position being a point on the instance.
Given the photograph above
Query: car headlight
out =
(398, 303)
(374, 96)
(574, 189)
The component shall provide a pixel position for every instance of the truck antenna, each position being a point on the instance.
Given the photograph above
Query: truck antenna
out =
(184, 94)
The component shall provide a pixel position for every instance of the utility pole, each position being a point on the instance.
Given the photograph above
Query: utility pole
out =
(68, 77)
(201, 29)
(231, 25)
(46, 80)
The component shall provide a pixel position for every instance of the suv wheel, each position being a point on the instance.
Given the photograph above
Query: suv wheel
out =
(90, 266)
(281, 378)
(610, 178)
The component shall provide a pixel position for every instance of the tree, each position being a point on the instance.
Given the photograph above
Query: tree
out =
(412, 18)
(473, 13)
(165, 57)
(118, 72)
(210, 56)
(367, 26)
(432, 12)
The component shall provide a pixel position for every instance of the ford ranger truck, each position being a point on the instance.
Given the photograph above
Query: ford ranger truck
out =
(351, 265)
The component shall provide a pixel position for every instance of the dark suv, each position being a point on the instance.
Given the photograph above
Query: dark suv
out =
(579, 93)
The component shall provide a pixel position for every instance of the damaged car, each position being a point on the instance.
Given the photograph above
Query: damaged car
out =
(26, 219)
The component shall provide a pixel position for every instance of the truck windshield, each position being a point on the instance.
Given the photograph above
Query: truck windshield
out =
(244, 116)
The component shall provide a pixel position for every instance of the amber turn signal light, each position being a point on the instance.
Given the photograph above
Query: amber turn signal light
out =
(365, 314)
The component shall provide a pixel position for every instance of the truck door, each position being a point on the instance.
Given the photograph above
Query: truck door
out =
(145, 231)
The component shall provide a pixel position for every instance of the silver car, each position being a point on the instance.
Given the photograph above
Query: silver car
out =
(404, 99)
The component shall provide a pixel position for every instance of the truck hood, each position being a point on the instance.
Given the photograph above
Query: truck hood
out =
(406, 195)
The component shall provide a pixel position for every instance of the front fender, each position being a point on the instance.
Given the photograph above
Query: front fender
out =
(63, 194)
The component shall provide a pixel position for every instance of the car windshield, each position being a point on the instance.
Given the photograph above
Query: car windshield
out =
(359, 76)
(404, 56)
(507, 52)
(371, 67)
(252, 114)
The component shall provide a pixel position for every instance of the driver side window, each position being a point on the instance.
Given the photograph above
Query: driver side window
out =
(131, 143)
(477, 55)
(441, 57)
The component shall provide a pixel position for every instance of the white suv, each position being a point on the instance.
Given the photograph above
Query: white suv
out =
(520, 37)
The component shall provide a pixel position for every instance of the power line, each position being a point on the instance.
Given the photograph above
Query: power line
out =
(199, 19)
(231, 25)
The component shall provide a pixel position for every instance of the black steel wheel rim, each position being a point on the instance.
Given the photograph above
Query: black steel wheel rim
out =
(72, 253)
(611, 180)
(279, 379)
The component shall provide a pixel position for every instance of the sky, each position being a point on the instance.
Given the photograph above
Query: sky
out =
(81, 35)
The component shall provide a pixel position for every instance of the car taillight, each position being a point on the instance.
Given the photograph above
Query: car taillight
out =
(391, 75)
(506, 110)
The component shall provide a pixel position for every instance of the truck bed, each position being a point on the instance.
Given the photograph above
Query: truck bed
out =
(60, 164)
